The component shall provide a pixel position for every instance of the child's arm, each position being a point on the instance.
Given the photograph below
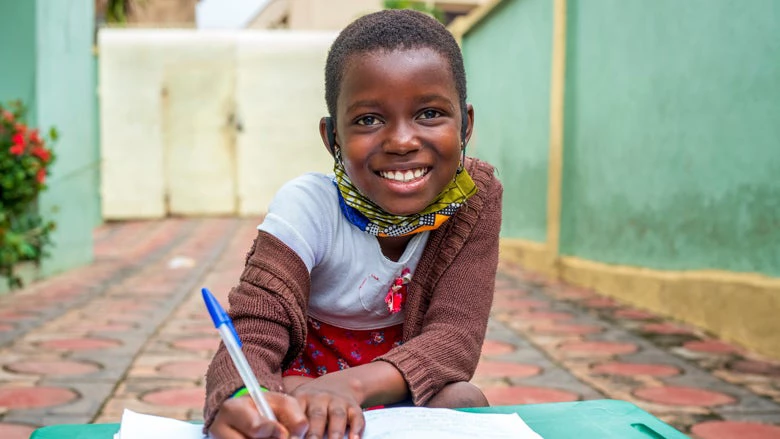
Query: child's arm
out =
(267, 311)
(459, 295)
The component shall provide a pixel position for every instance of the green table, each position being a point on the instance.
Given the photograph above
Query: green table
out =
(600, 419)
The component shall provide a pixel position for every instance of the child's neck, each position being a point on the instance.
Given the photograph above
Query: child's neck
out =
(393, 246)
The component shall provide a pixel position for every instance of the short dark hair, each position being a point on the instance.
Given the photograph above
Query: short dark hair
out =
(390, 30)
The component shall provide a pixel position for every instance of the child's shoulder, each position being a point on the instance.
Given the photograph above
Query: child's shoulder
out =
(483, 174)
(312, 183)
(313, 190)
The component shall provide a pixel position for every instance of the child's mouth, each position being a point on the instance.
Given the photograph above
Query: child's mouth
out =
(404, 176)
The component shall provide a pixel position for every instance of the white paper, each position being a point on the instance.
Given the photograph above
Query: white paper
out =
(416, 422)
(139, 426)
(395, 423)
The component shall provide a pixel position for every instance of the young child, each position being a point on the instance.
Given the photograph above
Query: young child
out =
(370, 287)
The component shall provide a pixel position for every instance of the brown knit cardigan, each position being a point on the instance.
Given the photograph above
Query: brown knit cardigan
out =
(446, 311)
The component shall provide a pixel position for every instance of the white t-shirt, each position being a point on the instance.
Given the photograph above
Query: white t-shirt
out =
(350, 276)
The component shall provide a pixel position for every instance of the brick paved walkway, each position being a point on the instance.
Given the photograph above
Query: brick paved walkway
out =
(130, 331)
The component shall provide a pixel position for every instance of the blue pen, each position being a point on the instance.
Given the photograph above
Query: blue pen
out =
(233, 344)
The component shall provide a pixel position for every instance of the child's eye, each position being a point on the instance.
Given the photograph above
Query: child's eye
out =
(430, 114)
(367, 120)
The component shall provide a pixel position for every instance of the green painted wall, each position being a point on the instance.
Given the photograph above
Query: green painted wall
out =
(508, 70)
(17, 51)
(53, 70)
(66, 99)
(672, 134)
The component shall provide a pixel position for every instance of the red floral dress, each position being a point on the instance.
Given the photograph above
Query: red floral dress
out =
(330, 348)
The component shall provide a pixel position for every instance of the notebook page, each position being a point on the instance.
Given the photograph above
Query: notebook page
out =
(416, 422)
(139, 426)
(394, 423)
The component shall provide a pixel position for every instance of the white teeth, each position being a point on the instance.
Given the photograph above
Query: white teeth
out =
(404, 176)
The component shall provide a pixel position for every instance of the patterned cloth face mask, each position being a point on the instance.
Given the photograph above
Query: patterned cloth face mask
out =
(369, 217)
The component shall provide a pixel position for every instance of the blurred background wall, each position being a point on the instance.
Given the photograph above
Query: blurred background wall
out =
(48, 62)
(639, 145)
(197, 122)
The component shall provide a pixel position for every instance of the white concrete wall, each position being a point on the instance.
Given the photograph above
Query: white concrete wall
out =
(197, 122)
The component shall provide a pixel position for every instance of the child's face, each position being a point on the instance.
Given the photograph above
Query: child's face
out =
(398, 126)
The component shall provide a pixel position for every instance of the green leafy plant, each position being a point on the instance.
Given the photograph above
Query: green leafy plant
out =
(118, 11)
(417, 6)
(25, 162)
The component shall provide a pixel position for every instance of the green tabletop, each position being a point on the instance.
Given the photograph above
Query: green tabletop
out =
(600, 419)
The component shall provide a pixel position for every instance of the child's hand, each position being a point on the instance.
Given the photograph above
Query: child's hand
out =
(238, 418)
(332, 405)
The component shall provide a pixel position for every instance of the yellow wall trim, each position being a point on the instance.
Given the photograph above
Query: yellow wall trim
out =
(463, 24)
(737, 307)
(555, 165)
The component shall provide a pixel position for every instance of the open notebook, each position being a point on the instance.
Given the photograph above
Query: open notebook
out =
(394, 423)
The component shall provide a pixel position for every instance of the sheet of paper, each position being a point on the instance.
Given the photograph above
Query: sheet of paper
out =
(139, 426)
(416, 422)
(395, 423)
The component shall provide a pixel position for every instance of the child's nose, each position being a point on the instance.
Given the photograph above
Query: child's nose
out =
(402, 139)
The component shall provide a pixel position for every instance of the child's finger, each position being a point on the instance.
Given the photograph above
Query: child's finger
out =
(241, 415)
(337, 419)
(221, 430)
(291, 414)
(356, 423)
(317, 412)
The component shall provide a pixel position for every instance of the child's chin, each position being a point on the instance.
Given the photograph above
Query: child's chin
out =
(405, 210)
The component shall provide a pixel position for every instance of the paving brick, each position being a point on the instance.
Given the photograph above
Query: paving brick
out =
(53, 368)
(711, 347)
(198, 344)
(633, 369)
(735, 430)
(755, 367)
(493, 347)
(506, 369)
(527, 395)
(678, 395)
(16, 398)
(596, 348)
(187, 398)
(184, 369)
(15, 431)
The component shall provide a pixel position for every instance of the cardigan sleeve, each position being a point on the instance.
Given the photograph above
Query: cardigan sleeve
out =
(452, 327)
(268, 312)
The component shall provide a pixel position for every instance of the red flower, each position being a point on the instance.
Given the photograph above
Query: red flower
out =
(17, 149)
(20, 128)
(41, 176)
(42, 153)
(35, 137)
(8, 116)
(18, 139)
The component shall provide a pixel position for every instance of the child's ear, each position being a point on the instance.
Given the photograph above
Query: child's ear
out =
(468, 121)
(328, 134)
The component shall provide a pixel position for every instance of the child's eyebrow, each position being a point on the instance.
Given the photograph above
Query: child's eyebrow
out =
(433, 97)
(423, 99)
(364, 103)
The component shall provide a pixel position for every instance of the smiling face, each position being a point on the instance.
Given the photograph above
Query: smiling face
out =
(398, 127)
